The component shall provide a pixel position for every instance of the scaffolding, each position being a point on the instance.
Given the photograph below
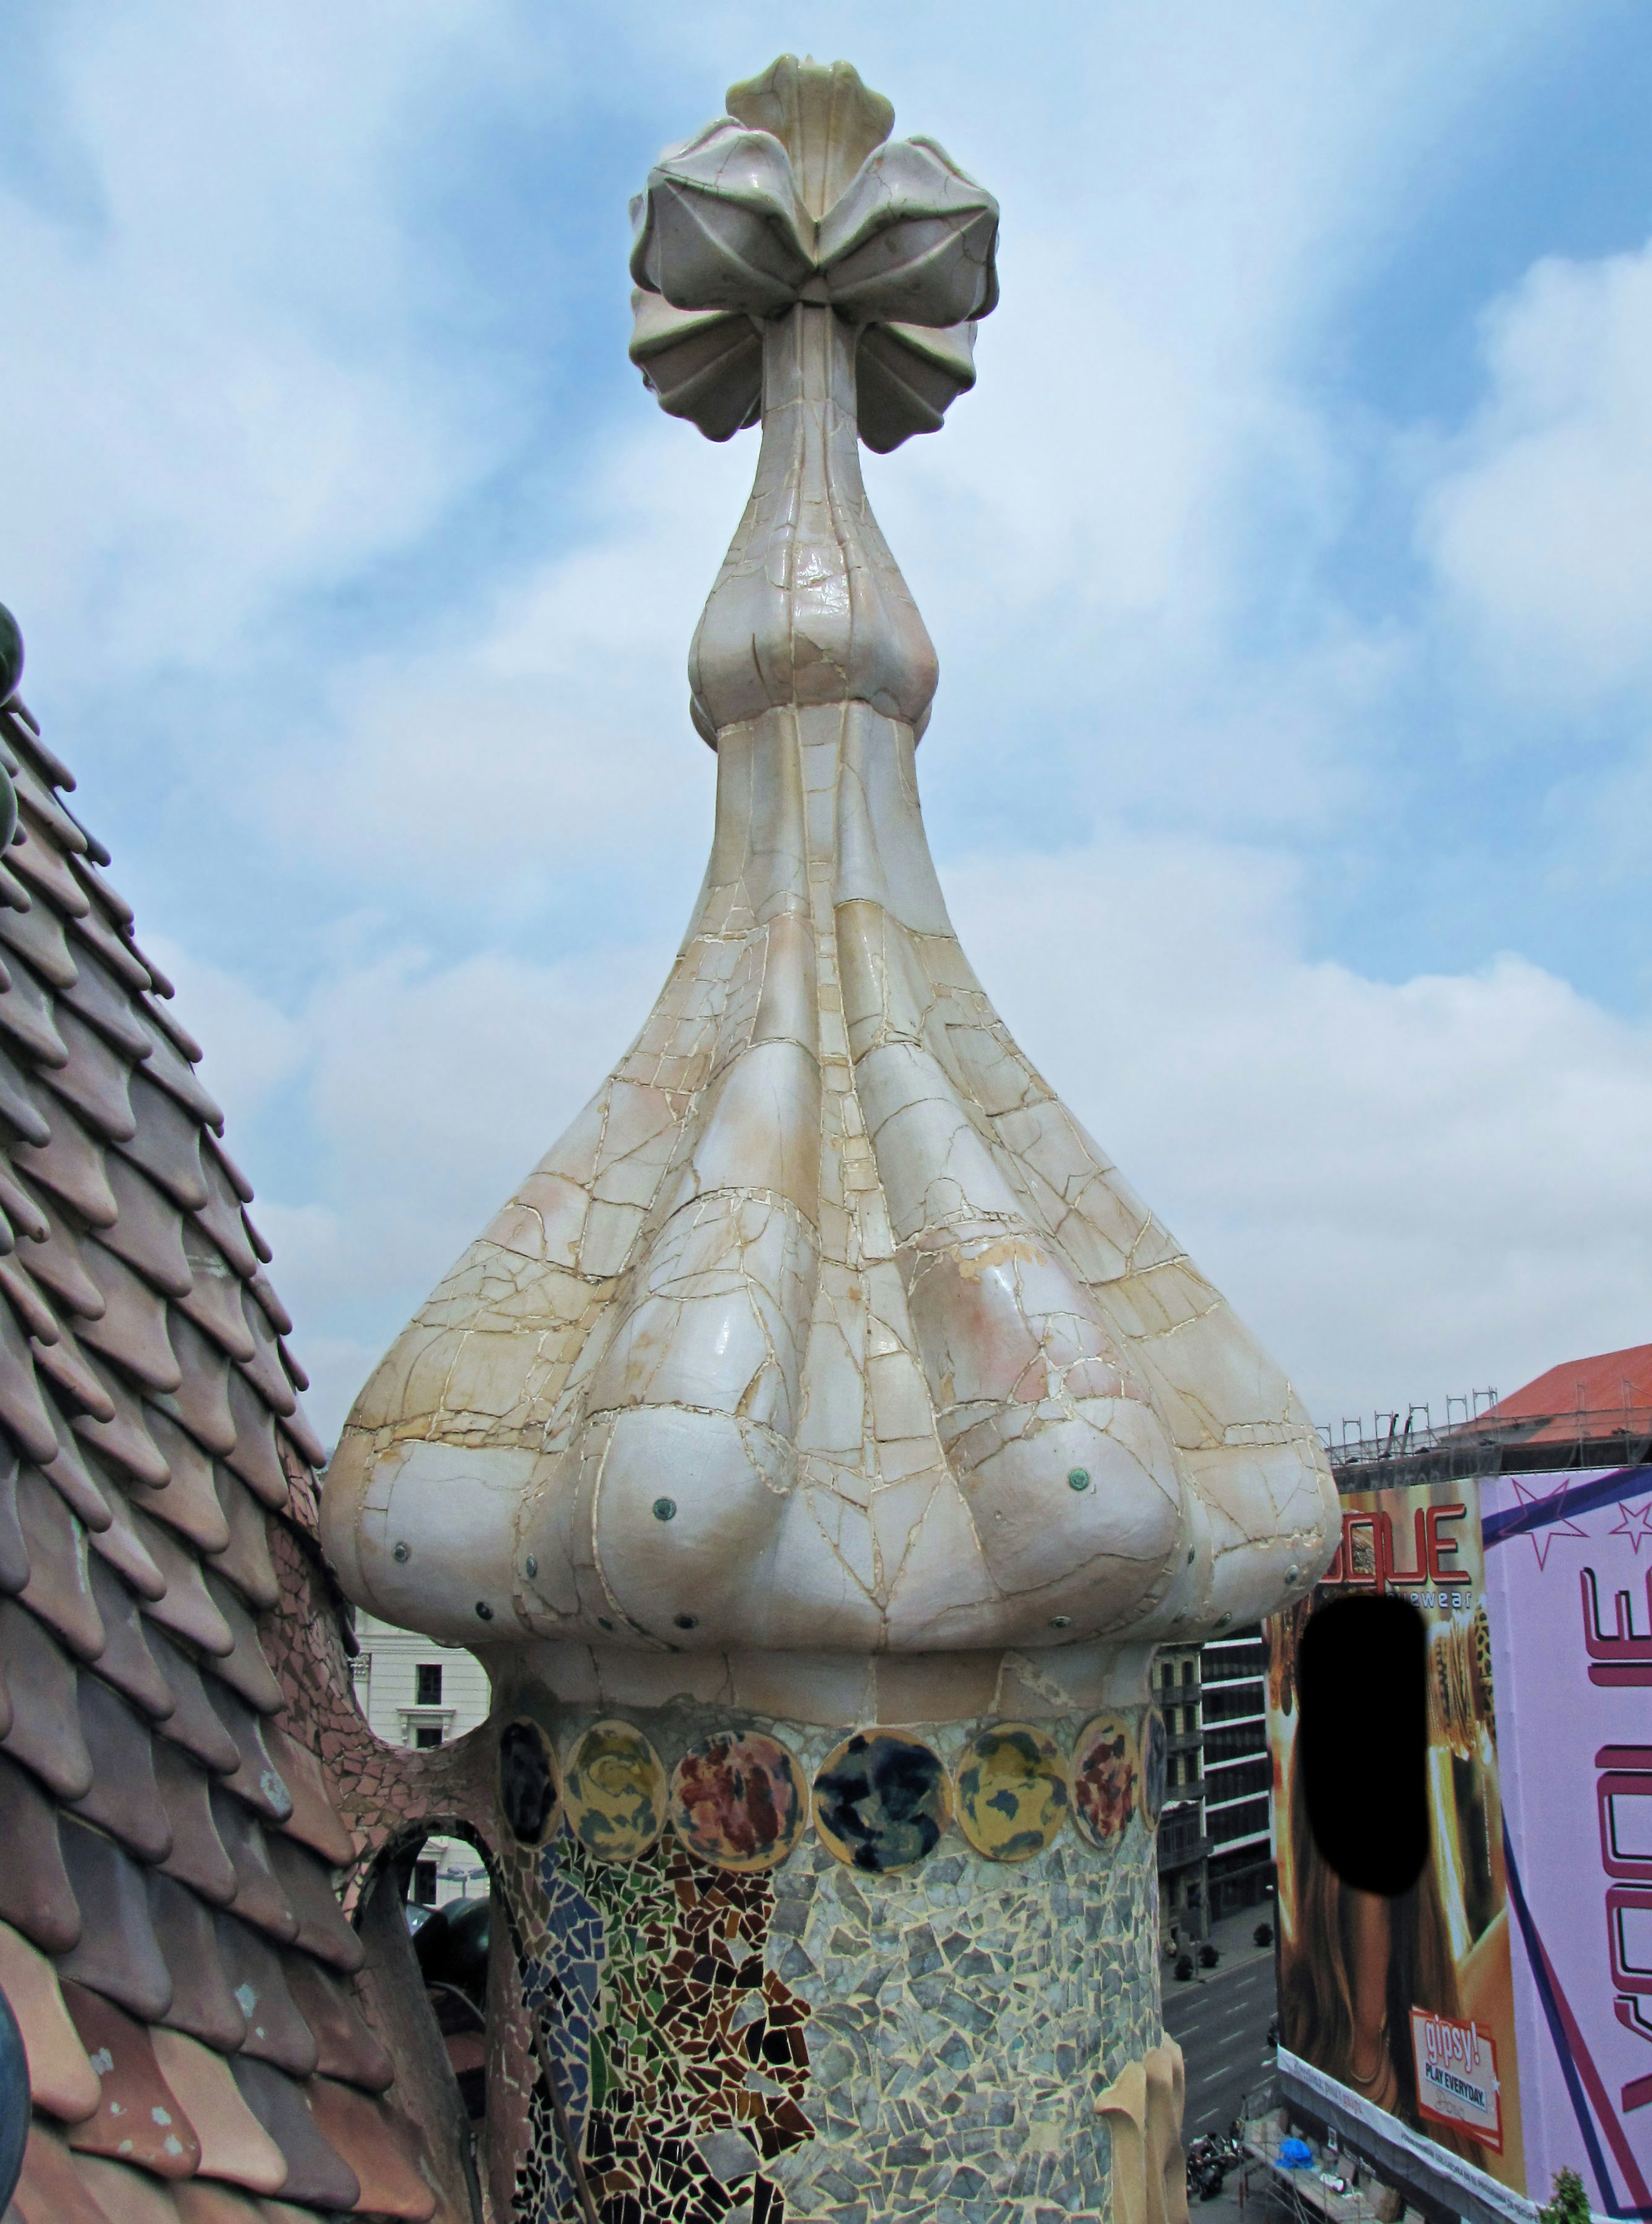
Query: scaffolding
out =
(1309, 2194)
(1476, 1440)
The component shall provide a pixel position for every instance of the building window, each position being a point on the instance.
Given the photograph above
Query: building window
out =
(1186, 1672)
(428, 1734)
(429, 1687)
(424, 1883)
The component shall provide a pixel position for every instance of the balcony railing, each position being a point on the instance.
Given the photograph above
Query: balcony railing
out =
(1181, 1840)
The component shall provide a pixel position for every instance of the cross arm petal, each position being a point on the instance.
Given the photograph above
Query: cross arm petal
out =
(722, 226)
(911, 241)
(907, 375)
(703, 364)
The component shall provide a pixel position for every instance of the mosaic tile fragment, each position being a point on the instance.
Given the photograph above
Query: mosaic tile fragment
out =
(527, 1790)
(616, 1792)
(882, 1800)
(1155, 1760)
(1107, 1777)
(738, 1800)
(1010, 1787)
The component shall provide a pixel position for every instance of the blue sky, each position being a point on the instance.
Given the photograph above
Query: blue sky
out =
(1289, 569)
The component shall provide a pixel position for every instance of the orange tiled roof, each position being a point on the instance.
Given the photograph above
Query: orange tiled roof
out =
(1611, 1385)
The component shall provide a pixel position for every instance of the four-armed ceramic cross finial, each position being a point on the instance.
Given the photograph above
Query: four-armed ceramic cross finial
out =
(825, 1333)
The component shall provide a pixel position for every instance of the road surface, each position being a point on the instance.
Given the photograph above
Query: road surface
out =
(1221, 2027)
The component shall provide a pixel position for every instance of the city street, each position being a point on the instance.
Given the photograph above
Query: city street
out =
(1221, 2024)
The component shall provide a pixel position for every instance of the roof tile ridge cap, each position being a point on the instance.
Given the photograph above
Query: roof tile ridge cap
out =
(238, 1181)
(50, 769)
(23, 723)
(311, 1452)
(36, 797)
(113, 948)
(172, 1026)
(268, 1298)
(186, 1088)
(119, 917)
(91, 880)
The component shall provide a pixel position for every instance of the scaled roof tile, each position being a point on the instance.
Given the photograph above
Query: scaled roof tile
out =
(117, 1953)
(203, 2002)
(62, 2079)
(234, 2144)
(138, 2119)
(123, 2195)
(318, 2177)
(50, 2190)
(171, 1765)
(35, 1895)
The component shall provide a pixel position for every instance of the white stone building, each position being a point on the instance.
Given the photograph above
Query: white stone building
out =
(415, 1692)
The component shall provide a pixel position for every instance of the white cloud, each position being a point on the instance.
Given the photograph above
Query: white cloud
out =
(217, 393)
(1409, 1188)
(551, 746)
(1539, 525)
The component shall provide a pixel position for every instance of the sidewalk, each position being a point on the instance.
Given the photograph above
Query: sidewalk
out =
(1234, 1939)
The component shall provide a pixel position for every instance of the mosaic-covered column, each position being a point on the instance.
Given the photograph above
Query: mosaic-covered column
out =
(818, 1442)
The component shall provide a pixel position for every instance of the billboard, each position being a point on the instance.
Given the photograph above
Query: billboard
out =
(1408, 2004)
(1569, 1562)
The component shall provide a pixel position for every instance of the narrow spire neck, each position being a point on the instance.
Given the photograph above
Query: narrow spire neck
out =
(809, 606)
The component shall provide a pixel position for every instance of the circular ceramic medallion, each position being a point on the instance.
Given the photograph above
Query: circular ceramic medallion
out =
(1107, 1777)
(614, 1788)
(1153, 1758)
(1012, 1789)
(738, 1800)
(528, 1792)
(882, 1800)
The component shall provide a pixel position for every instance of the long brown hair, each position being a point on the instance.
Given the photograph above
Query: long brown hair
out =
(1316, 2006)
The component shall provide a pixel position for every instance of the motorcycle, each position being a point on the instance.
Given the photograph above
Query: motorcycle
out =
(1209, 2160)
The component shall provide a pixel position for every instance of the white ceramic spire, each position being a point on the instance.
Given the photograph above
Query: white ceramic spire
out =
(826, 1330)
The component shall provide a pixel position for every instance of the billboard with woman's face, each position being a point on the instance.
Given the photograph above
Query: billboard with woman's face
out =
(1407, 2001)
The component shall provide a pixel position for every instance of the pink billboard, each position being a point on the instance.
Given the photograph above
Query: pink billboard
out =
(1568, 1576)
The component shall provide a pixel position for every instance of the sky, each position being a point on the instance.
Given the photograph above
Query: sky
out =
(1290, 569)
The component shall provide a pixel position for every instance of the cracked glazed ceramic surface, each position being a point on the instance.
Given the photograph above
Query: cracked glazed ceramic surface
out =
(825, 1335)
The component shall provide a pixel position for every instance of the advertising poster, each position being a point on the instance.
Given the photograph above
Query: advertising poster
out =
(1409, 2003)
(1569, 1562)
